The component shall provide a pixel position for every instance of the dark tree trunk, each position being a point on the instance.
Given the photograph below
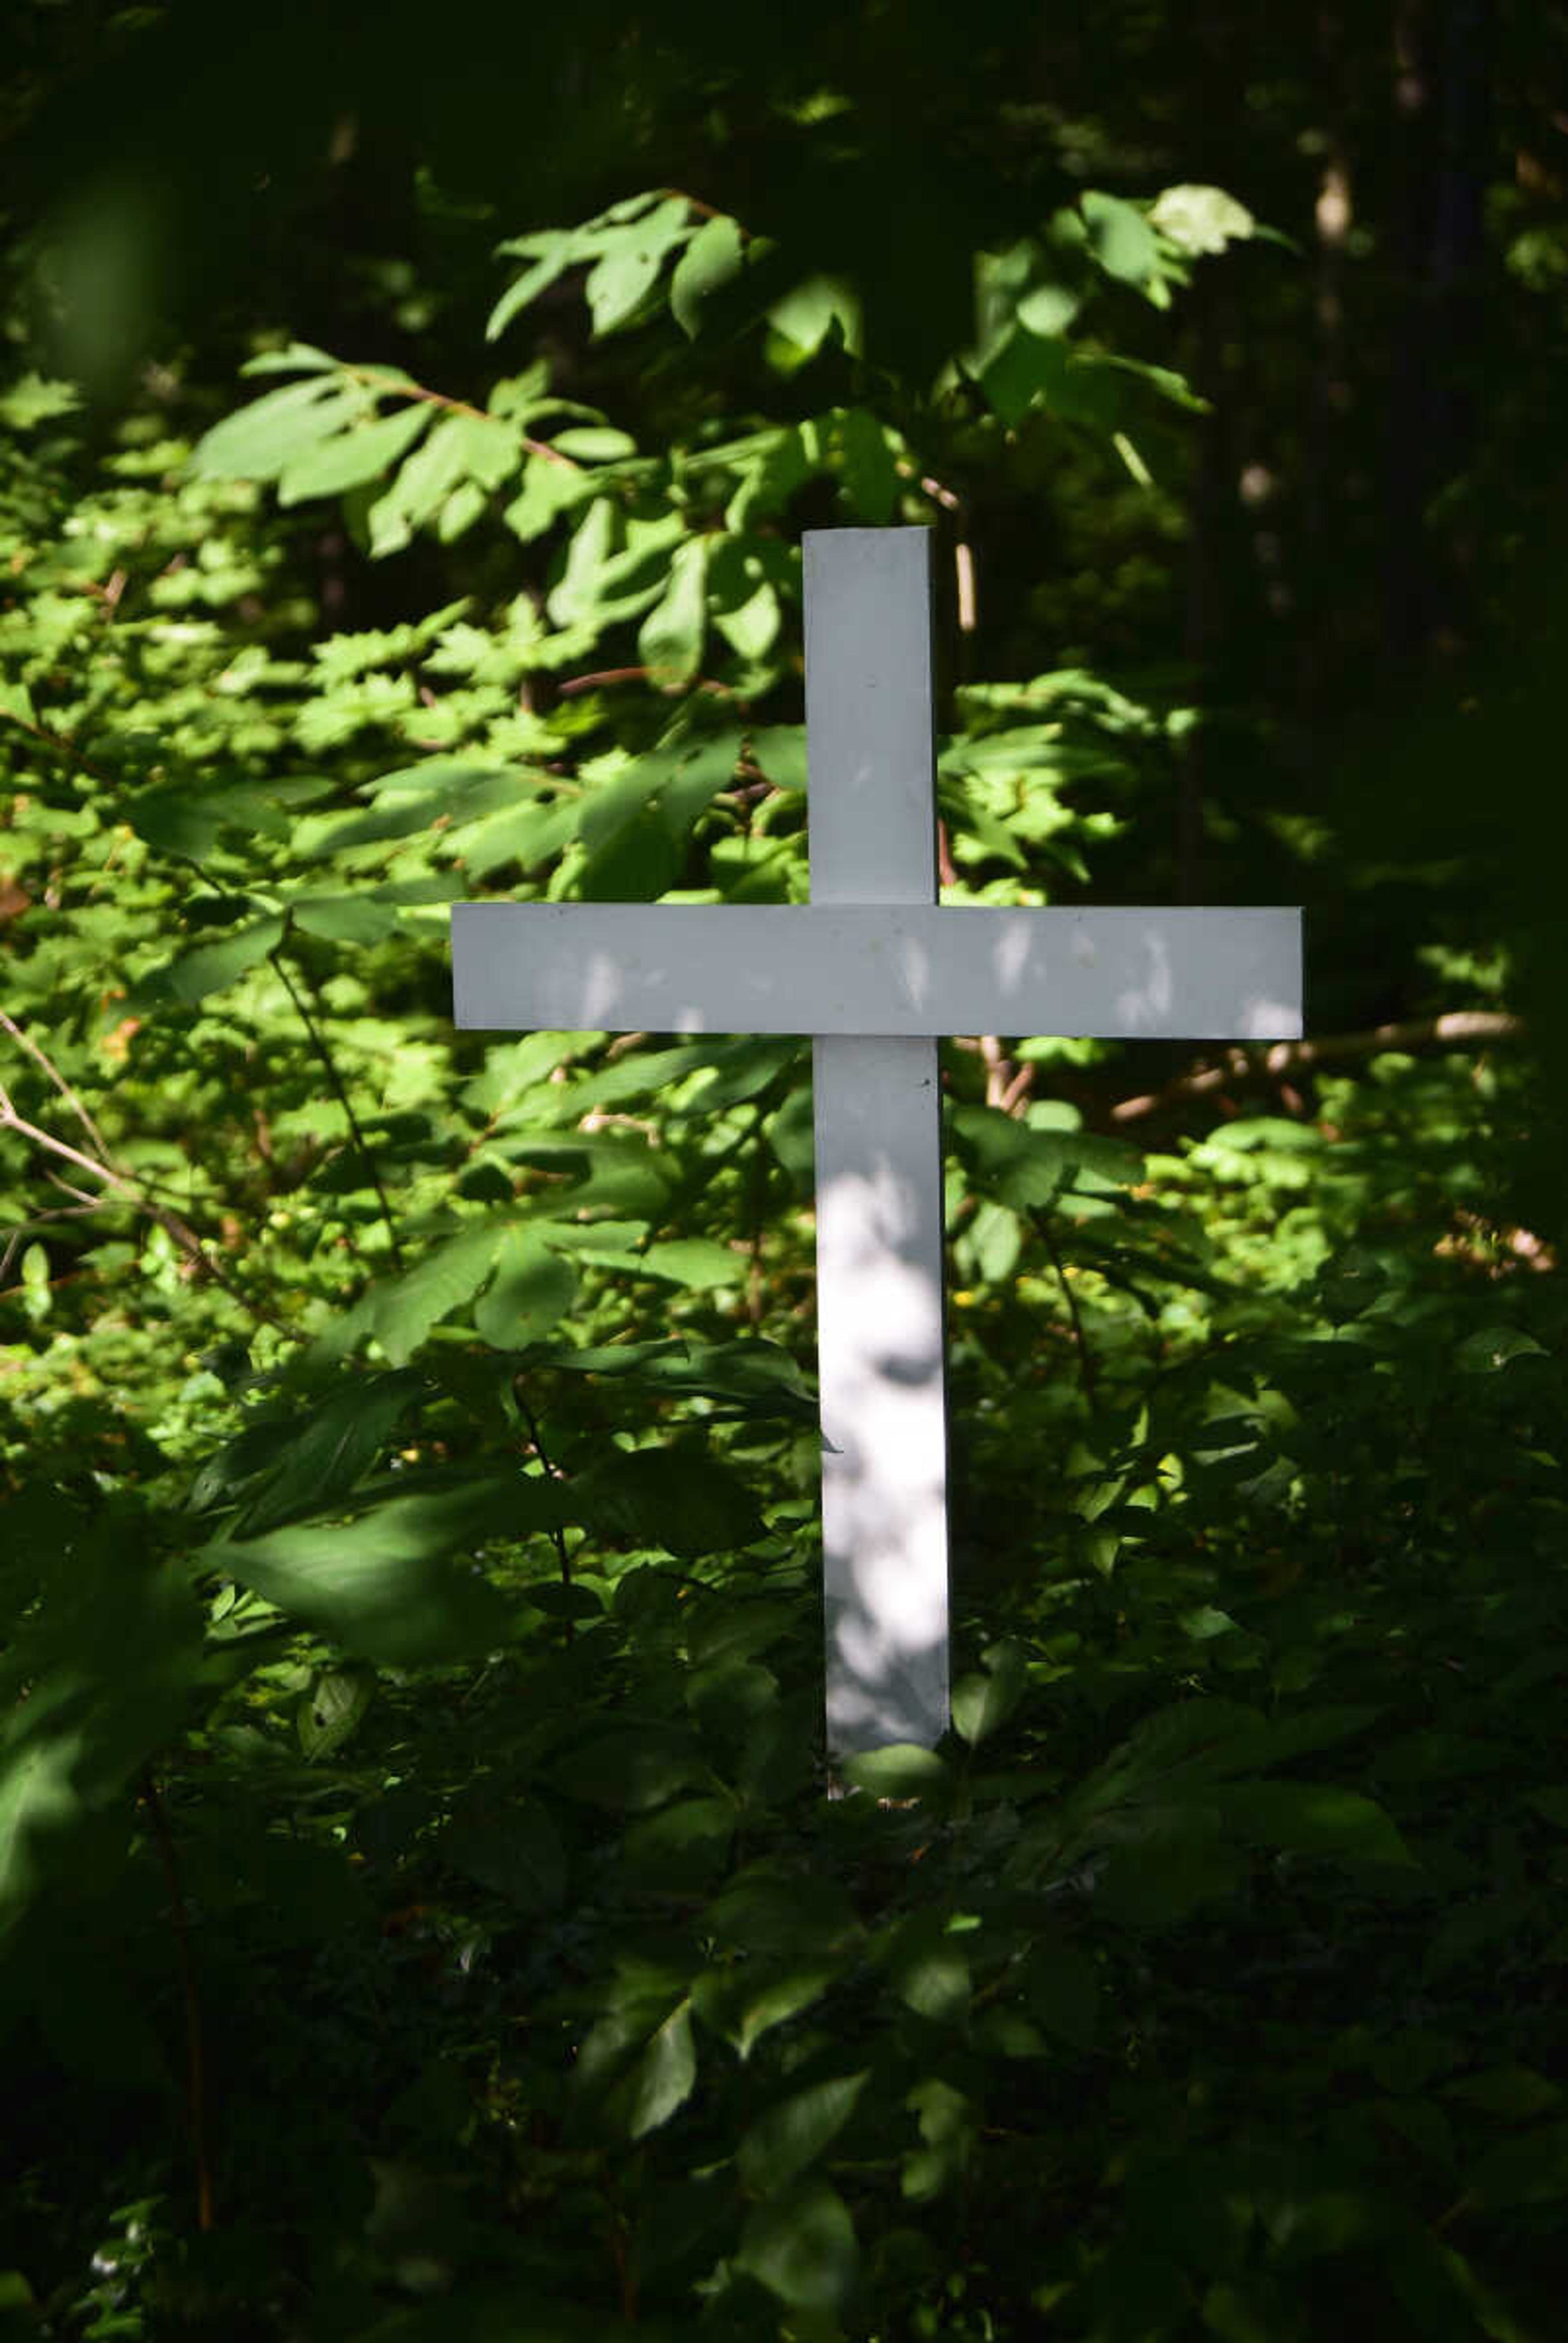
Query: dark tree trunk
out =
(1441, 103)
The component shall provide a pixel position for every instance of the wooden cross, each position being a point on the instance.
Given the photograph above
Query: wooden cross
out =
(874, 970)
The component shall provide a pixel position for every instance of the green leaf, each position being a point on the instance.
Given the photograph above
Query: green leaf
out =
(103, 1668)
(1027, 1169)
(33, 398)
(548, 490)
(751, 627)
(902, 1769)
(295, 358)
(682, 1847)
(378, 1582)
(681, 1498)
(982, 1702)
(929, 1968)
(950, 2127)
(1531, 2169)
(631, 1769)
(1120, 237)
(1048, 309)
(428, 479)
(276, 431)
(344, 919)
(329, 1712)
(1494, 1347)
(513, 1848)
(711, 260)
(1061, 1988)
(809, 314)
(870, 466)
(180, 818)
(784, 1996)
(1166, 1878)
(555, 255)
(36, 1293)
(663, 2077)
(532, 1290)
(403, 1311)
(332, 1449)
(209, 967)
(801, 2247)
(593, 443)
(793, 2133)
(1199, 220)
(359, 454)
(775, 1908)
(1514, 2093)
(621, 279)
(670, 641)
(700, 1263)
(587, 556)
(1311, 1818)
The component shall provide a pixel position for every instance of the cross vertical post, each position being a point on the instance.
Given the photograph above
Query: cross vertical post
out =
(872, 835)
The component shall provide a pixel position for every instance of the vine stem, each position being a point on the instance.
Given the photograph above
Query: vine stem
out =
(374, 378)
(195, 2061)
(320, 1044)
(1086, 1365)
(542, 1452)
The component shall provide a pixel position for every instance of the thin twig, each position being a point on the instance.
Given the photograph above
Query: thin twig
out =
(135, 1192)
(329, 1064)
(25, 1042)
(632, 675)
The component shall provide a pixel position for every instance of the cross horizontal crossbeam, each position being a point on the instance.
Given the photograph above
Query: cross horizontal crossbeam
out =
(908, 969)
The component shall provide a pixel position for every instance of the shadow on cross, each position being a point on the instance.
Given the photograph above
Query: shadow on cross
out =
(884, 1425)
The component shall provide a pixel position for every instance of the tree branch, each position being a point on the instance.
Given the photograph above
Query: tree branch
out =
(1455, 1029)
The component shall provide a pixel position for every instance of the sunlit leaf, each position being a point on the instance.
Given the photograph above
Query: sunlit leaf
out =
(356, 455)
(711, 260)
(670, 641)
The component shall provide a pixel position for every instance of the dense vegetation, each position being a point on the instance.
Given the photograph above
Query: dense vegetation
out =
(422, 1913)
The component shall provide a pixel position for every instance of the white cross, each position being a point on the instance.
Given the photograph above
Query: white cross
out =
(874, 971)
